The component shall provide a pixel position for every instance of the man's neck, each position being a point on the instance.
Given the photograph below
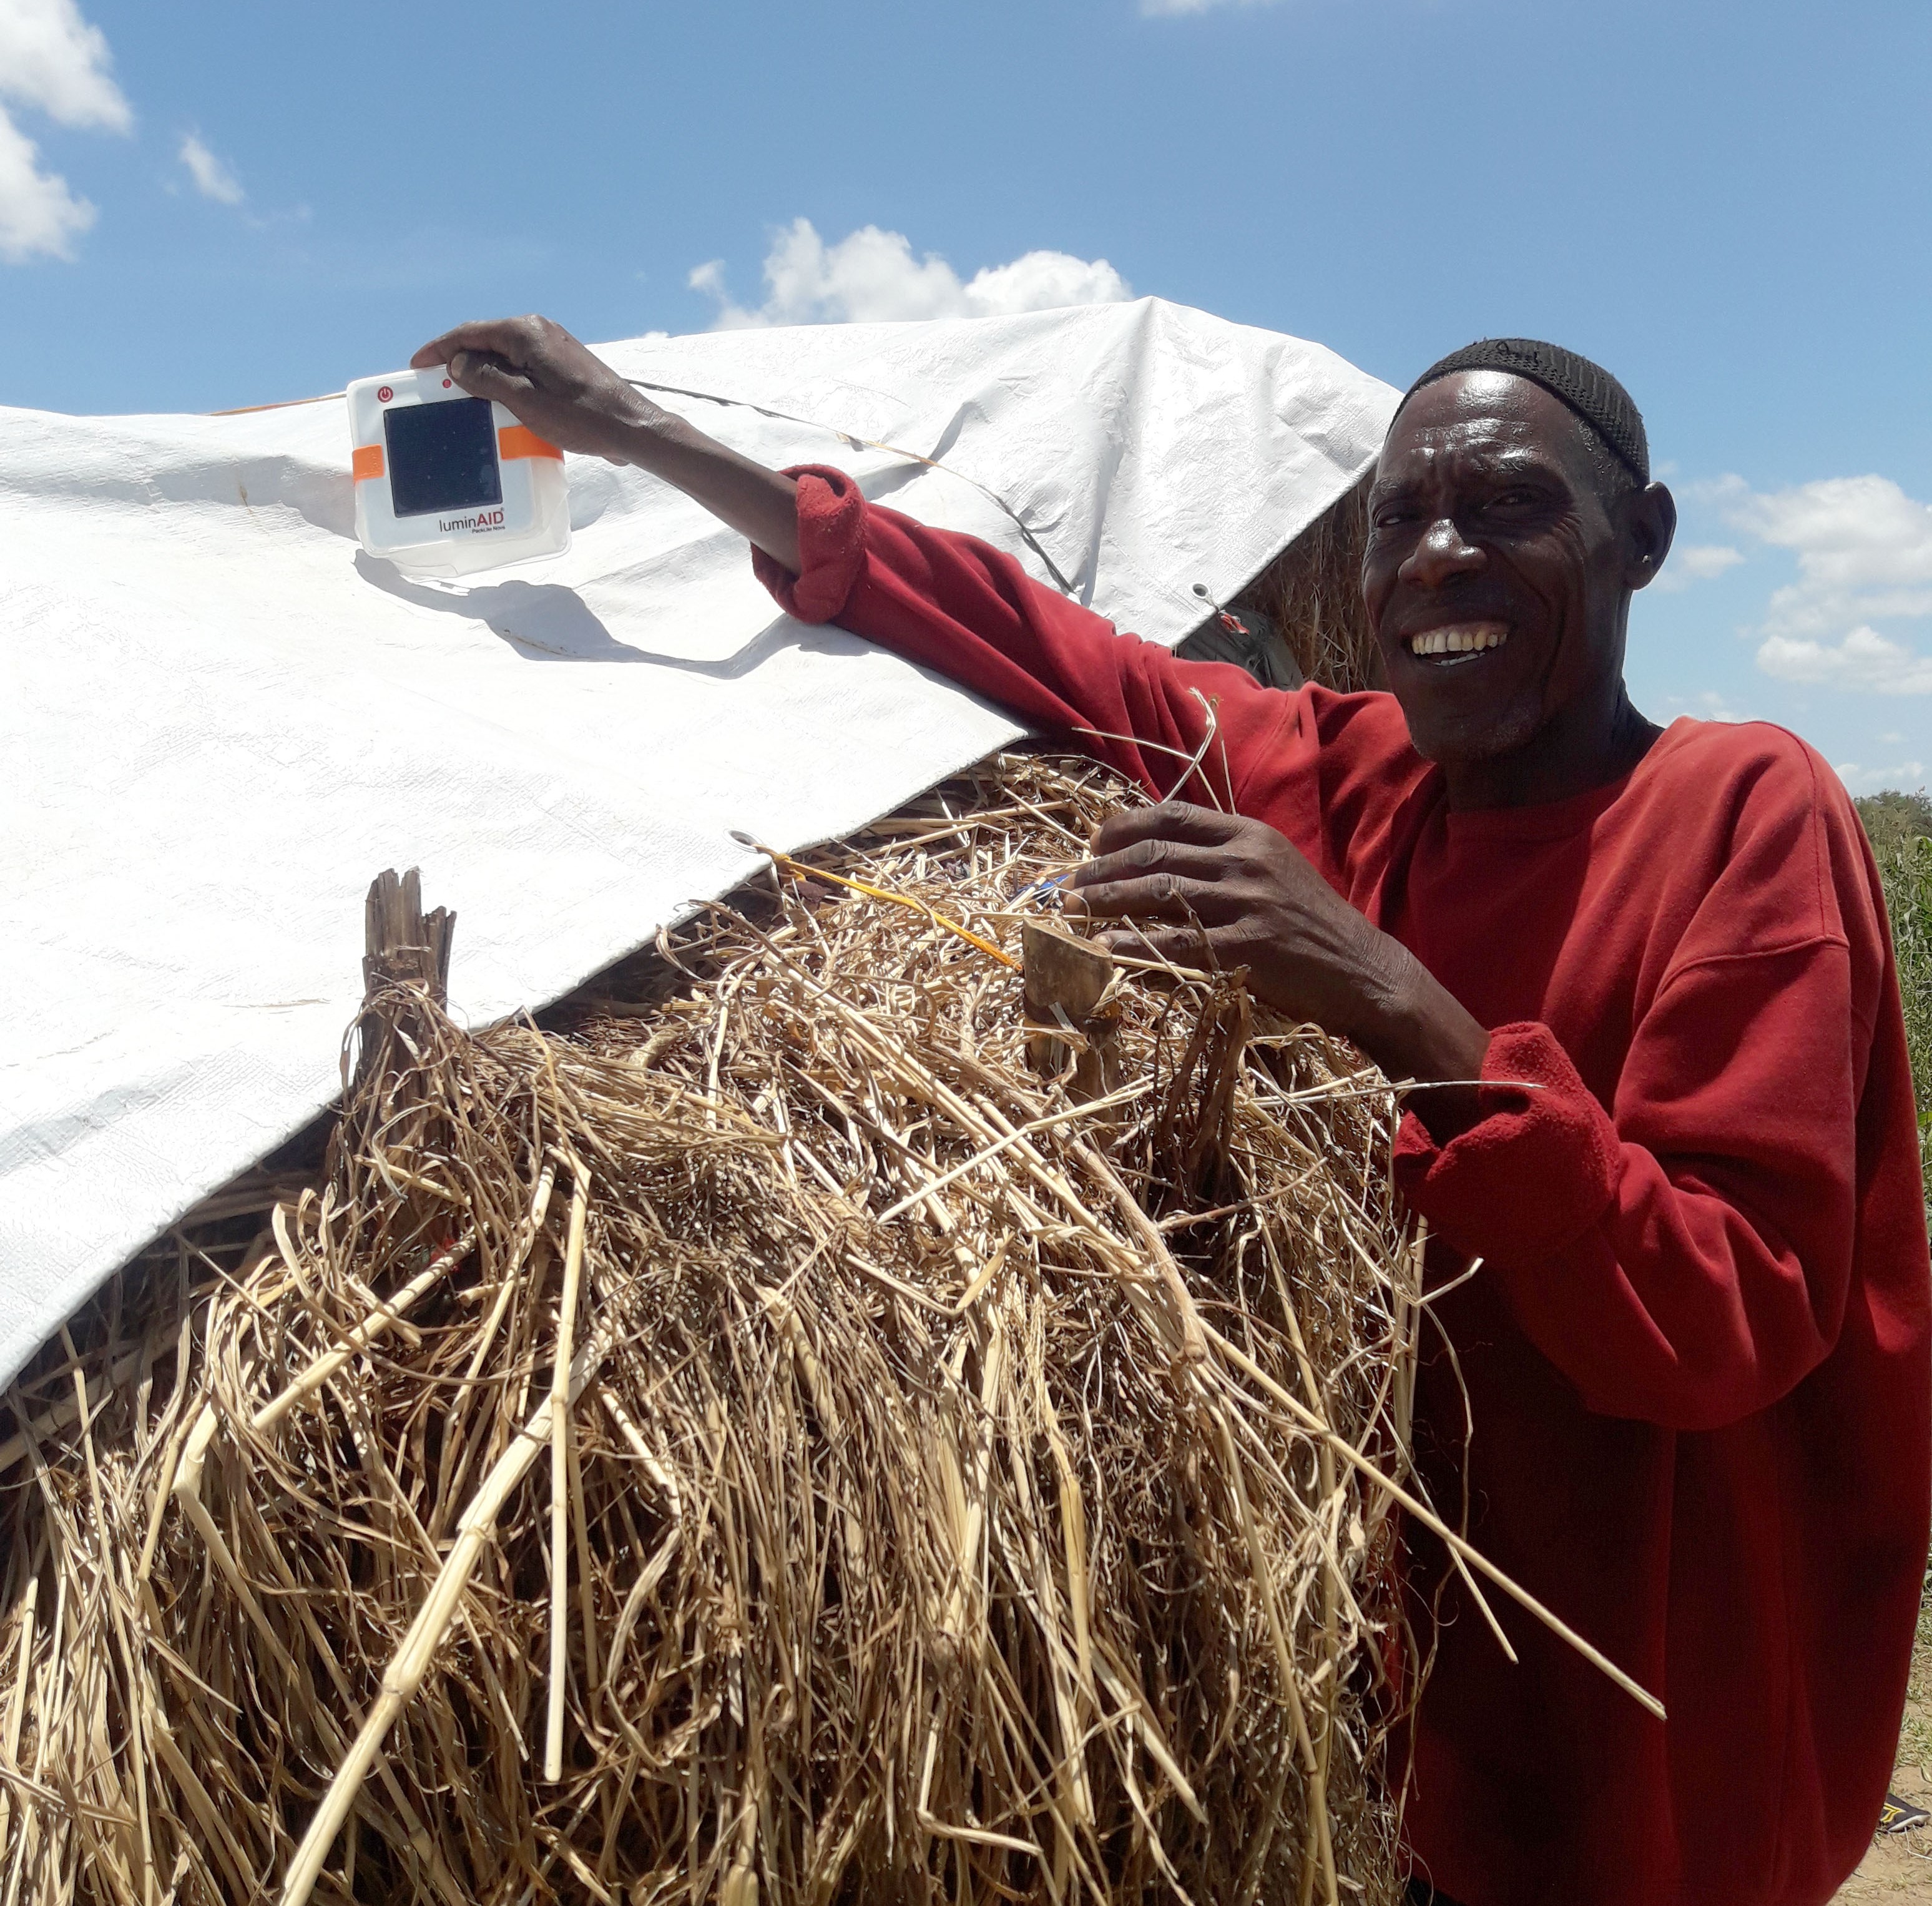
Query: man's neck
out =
(1567, 756)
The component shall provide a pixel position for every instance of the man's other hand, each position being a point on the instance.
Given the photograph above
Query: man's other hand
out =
(540, 373)
(1220, 891)
(1217, 890)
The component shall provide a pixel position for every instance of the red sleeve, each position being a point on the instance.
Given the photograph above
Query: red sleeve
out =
(1684, 1256)
(959, 606)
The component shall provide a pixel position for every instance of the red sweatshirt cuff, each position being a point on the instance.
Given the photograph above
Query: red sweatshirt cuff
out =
(1538, 1169)
(831, 546)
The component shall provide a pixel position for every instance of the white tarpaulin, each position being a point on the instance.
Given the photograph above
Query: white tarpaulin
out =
(218, 720)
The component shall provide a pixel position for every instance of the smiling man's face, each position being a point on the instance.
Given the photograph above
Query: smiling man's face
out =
(1498, 570)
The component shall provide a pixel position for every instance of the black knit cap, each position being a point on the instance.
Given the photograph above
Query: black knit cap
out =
(1588, 388)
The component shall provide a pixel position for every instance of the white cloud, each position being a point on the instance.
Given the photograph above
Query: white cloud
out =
(1707, 706)
(1863, 660)
(1868, 780)
(871, 275)
(51, 61)
(1697, 562)
(39, 217)
(212, 178)
(1044, 281)
(1863, 549)
(1705, 560)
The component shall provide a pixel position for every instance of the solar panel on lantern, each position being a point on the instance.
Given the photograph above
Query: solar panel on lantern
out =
(447, 483)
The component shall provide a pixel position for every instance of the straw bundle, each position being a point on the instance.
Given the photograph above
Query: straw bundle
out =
(1312, 592)
(793, 1428)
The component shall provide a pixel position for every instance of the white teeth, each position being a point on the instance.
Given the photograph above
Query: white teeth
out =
(1462, 640)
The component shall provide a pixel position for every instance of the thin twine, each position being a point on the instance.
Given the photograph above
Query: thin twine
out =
(1033, 542)
(798, 870)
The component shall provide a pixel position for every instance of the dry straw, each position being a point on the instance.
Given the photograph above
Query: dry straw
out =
(1313, 591)
(956, 1492)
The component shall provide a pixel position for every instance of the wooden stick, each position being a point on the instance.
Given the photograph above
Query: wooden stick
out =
(560, 1478)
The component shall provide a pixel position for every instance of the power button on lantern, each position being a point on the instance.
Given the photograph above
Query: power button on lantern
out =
(383, 395)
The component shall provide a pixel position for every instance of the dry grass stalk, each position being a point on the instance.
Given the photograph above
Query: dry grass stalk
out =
(978, 1495)
(1312, 591)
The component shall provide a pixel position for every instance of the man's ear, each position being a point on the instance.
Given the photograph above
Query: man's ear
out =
(1650, 523)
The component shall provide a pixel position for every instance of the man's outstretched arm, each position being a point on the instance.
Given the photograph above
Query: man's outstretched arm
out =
(570, 396)
(949, 603)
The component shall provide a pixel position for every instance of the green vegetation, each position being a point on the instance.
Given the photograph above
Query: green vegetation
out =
(1900, 828)
(1914, 1737)
(1892, 819)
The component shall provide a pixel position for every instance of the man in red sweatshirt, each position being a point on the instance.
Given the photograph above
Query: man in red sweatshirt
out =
(1641, 979)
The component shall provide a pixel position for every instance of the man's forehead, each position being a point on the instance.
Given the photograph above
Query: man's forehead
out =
(1483, 414)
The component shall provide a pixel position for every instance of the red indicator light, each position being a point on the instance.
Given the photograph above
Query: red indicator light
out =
(383, 395)
(445, 383)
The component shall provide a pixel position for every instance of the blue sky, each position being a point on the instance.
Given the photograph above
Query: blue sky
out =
(1726, 204)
